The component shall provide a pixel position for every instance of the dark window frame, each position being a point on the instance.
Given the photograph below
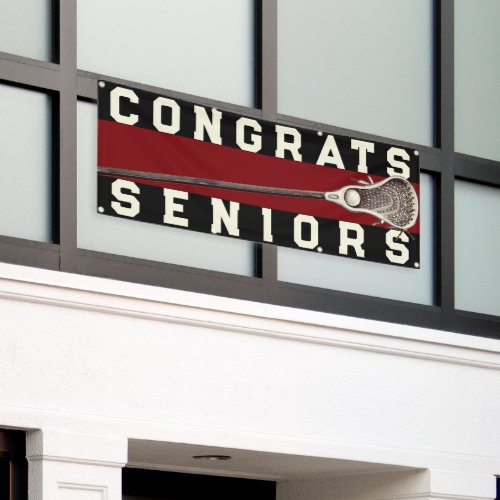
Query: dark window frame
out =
(66, 84)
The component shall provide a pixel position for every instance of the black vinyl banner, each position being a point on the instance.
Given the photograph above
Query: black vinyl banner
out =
(170, 162)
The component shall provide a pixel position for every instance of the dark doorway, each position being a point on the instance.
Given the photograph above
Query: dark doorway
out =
(140, 484)
(13, 466)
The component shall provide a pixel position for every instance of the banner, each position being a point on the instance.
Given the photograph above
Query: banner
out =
(170, 162)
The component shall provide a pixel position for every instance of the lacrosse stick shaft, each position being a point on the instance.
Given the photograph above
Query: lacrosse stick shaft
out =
(197, 181)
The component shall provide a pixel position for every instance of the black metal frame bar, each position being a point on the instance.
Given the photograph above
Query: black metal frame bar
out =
(446, 234)
(65, 83)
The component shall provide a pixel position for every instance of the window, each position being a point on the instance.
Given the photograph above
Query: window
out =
(477, 78)
(477, 231)
(26, 28)
(187, 46)
(26, 160)
(360, 65)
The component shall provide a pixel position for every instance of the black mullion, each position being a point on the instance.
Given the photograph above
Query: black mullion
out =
(55, 171)
(257, 51)
(258, 252)
(56, 31)
(334, 129)
(477, 169)
(430, 160)
(437, 72)
(55, 122)
(476, 324)
(20, 71)
(446, 232)
(87, 89)
(29, 253)
(173, 276)
(67, 136)
(268, 57)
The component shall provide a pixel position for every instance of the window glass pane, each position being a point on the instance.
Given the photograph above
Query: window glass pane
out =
(25, 28)
(477, 247)
(142, 240)
(199, 47)
(25, 164)
(361, 65)
(477, 78)
(369, 278)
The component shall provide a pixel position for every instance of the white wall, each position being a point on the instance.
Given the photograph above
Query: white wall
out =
(419, 485)
(92, 356)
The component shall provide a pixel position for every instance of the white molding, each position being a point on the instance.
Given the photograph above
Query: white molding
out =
(408, 496)
(82, 449)
(441, 496)
(266, 477)
(428, 496)
(30, 418)
(74, 460)
(84, 487)
(106, 296)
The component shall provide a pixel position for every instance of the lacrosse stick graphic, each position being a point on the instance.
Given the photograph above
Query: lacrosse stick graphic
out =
(392, 201)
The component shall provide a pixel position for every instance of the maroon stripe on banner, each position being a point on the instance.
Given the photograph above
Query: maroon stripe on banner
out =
(134, 148)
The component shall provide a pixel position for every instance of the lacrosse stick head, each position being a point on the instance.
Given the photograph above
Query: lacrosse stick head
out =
(392, 200)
